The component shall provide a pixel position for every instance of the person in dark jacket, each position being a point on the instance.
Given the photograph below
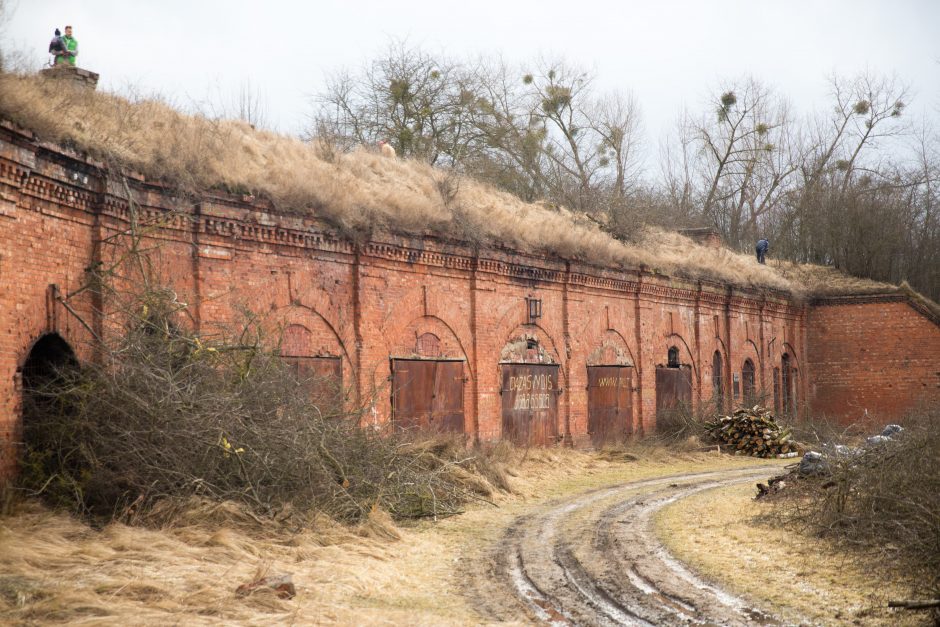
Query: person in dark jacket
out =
(761, 249)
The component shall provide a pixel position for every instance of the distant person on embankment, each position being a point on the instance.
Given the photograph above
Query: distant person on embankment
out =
(66, 52)
(761, 249)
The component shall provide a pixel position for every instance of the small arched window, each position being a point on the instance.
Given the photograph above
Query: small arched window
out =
(672, 359)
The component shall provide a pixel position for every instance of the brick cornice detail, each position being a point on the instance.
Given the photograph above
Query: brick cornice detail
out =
(262, 227)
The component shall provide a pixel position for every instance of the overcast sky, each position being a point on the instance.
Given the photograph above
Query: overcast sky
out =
(669, 53)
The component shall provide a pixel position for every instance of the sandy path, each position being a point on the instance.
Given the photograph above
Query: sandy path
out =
(594, 559)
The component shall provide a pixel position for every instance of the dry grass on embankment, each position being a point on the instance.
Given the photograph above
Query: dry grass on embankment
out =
(357, 192)
(54, 569)
(726, 536)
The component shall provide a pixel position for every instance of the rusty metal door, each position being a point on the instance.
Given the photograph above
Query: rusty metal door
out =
(610, 406)
(323, 376)
(673, 390)
(428, 394)
(530, 404)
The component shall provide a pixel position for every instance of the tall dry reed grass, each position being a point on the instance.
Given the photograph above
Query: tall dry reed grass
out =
(359, 192)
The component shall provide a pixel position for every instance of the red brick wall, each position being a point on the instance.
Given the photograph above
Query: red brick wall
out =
(872, 357)
(369, 303)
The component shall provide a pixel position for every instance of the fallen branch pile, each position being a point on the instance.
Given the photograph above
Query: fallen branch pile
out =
(752, 431)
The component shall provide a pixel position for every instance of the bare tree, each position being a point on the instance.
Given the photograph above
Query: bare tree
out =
(741, 160)
(423, 105)
(248, 104)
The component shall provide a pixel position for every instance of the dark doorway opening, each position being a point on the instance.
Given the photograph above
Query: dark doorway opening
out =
(777, 391)
(748, 380)
(786, 384)
(48, 362)
(44, 372)
(717, 382)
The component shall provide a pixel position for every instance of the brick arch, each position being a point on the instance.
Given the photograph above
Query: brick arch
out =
(751, 349)
(674, 339)
(611, 348)
(514, 321)
(403, 342)
(323, 338)
(787, 348)
(708, 351)
(524, 332)
(69, 339)
(424, 302)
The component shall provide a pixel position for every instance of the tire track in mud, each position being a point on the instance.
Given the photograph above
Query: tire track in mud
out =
(594, 559)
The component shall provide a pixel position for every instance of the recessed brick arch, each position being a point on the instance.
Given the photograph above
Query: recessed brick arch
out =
(321, 338)
(686, 356)
(612, 348)
(429, 371)
(402, 340)
(531, 377)
(38, 369)
(305, 337)
(419, 303)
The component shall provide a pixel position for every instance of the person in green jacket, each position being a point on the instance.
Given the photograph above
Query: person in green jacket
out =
(71, 46)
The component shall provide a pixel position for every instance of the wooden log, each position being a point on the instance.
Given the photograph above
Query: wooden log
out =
(915, 605)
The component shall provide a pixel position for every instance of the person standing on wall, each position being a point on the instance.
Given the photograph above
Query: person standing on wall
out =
(761, 249)
(67, 57)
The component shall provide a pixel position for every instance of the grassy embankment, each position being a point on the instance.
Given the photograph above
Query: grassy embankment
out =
(57, 569)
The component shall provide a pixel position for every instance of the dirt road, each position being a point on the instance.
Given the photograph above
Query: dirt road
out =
(594, 559)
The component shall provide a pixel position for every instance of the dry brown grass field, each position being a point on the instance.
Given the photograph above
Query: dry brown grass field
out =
(57, 570)
(727, 536)
(362, 191)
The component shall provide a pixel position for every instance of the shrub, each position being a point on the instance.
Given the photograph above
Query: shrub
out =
(169, 414)
(885, 500)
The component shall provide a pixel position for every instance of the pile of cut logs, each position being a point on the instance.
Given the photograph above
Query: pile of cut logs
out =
(752, 431)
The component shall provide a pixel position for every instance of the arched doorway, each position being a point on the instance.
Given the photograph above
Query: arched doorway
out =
(320, 374)
(717, 384)
(786, 384)
(610, 390)
(748, 381)
(529, 388)
(48, 362)
(48, 359)
(673, 390)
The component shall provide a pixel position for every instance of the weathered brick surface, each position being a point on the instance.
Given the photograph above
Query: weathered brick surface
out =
(873, 358)
(370, 303)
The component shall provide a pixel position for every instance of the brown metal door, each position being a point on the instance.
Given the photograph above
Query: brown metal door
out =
(428, 394)
(530, 404)
(447, 404)
(673, 389)
(610, 407)
(323, 376)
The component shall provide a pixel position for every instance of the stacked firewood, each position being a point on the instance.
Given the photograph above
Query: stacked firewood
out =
(752, 431)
